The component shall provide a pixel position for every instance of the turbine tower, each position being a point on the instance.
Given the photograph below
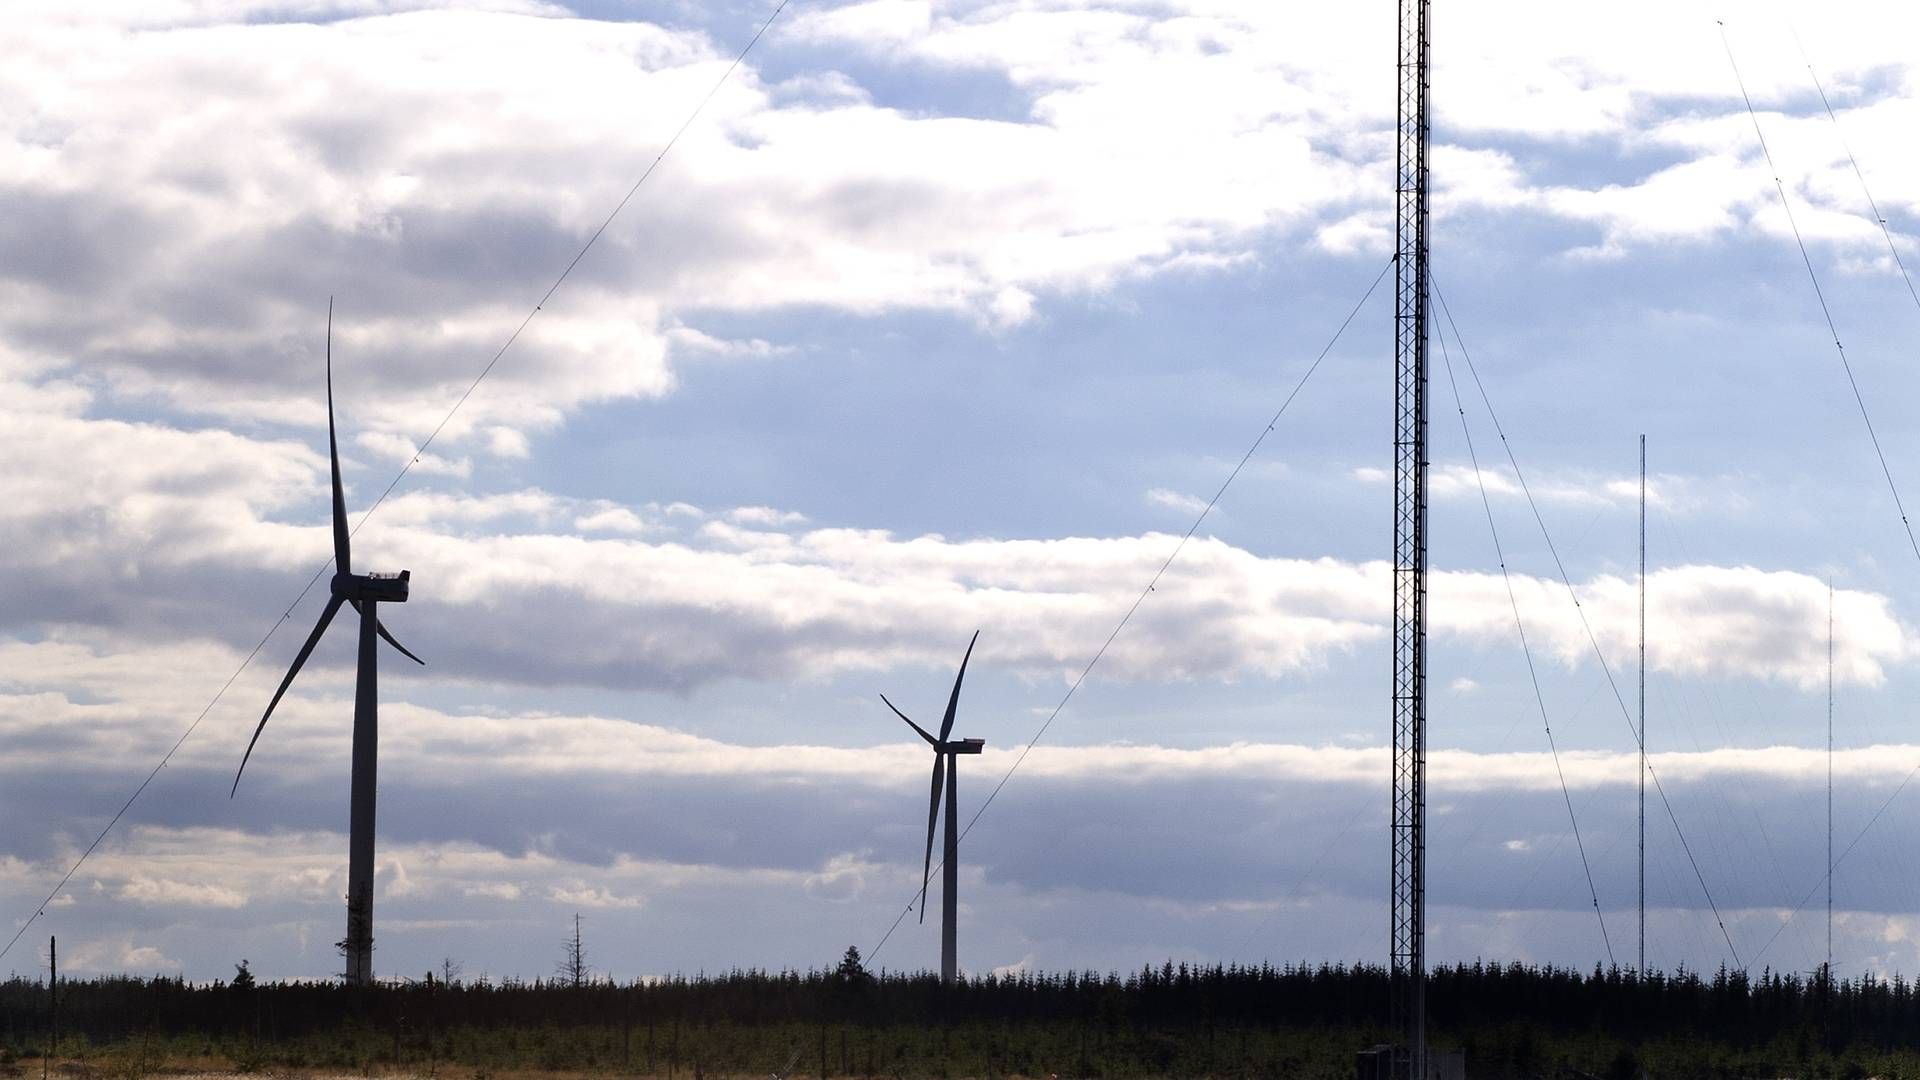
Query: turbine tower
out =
(1641, 735)
(946, 758)
(1408, 919)
(366, 592)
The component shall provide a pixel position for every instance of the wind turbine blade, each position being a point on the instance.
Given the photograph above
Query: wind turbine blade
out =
(933, 816)
(931, 741)
(381, 629)
(953, 703)
(342, 549)
(319, 628)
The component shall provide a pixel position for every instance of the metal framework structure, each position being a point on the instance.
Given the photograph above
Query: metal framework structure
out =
(1641, 735)
(1408, 825)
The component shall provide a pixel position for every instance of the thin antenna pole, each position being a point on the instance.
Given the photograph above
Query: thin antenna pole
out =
(1829, 970)
(1643, 706)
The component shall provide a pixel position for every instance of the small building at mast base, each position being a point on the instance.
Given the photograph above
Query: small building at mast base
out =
(1379, 1063)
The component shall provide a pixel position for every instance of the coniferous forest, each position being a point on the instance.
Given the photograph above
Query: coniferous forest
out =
(1174, 1020)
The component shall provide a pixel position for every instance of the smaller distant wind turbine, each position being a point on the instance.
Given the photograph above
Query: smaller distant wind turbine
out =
(946, 752)
(365, 592)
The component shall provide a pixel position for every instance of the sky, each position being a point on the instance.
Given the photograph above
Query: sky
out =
(944, 317)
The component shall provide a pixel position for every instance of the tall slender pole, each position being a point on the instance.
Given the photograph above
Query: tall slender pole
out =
(1829, 968)
(1643, 706)
(53, 1003)
(1407, 970)
(366, 762)
(950, 879)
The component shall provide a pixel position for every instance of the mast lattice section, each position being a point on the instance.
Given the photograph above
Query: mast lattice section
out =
(1408, 823)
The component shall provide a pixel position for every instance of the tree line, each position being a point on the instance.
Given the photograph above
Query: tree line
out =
(1725, 1004)
(880, 1022)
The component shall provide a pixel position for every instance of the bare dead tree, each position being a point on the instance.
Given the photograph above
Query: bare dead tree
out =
(572, 967)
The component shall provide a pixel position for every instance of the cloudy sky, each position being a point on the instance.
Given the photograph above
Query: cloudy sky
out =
(944, 317)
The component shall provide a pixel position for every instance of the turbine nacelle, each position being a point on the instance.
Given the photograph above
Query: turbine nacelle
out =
(381, 588)
(962, 746)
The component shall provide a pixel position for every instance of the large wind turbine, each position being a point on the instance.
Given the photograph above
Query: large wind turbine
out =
(365, 592)
(946, 758)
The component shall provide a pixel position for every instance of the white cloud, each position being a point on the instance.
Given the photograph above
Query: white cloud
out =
(185, 515)
(307, 868)
(1174, 500)
(507, 442)
(116, 956)
(1737, 621)
(842, 880)
(160, 891)
(765, 516)
(591, 897)
(616, 519)
(1169, 801)
(439, 231)
(1507, 70)
(512, 749)
(1025, 963)
(401, 450)
(689, 338)
(1666, 494)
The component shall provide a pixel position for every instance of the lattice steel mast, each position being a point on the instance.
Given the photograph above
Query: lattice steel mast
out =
(1642, 734)
(1408, 968)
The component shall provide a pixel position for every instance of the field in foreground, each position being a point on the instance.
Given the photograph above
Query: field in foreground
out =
(1512, 1021)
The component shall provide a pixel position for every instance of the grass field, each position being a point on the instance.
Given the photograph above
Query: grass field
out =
(996, 1051)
